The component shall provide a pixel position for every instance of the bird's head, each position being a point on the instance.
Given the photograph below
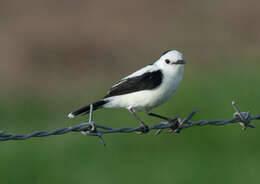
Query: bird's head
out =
(171, 60)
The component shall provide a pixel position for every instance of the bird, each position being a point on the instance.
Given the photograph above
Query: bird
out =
(143, 90)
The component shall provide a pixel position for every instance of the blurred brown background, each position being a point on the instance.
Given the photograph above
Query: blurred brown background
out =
(57, 43)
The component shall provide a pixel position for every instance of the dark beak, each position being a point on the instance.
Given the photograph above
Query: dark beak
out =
(181, 62)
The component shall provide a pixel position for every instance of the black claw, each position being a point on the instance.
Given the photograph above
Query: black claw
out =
(174, 124)
(145, 129)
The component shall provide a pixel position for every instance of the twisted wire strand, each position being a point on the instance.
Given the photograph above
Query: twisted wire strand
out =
(175, 125)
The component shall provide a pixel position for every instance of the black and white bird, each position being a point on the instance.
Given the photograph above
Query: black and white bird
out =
(144, 89)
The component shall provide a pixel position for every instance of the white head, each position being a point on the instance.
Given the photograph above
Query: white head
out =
(170, 60)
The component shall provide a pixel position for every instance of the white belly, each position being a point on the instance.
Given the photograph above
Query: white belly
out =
(147, 99)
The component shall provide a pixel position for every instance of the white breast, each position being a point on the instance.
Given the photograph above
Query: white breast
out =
(171, 82)
(148, 99)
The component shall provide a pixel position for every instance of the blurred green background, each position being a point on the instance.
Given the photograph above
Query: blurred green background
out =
(59, 55)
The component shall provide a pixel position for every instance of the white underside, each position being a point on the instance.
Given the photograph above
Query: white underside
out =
(148, 99)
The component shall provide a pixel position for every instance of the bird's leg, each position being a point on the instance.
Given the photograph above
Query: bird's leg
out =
(158, 116)
(173, 121)
(144, 126)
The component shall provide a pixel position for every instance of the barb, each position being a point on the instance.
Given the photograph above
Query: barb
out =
(175, 125)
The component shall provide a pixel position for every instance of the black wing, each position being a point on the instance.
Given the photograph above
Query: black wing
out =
(146, 81)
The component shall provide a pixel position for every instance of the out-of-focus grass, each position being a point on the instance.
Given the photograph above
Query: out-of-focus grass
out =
(197, 155)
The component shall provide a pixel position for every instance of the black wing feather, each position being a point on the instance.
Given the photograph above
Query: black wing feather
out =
(146, 81)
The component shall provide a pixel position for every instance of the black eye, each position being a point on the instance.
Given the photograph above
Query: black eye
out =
(167, 61)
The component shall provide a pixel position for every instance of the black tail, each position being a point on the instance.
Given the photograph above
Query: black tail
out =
(86, 109)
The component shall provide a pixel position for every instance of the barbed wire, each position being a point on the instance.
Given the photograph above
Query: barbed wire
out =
(174, 125)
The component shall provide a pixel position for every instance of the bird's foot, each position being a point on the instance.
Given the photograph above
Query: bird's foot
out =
(175, 125)
(91, 129)
(174, 122)
(144, 129)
